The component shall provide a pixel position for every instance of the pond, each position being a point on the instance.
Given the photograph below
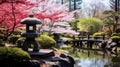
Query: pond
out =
(97, 61)
(92, 62)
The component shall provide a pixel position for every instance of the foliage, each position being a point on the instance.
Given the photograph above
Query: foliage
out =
(108, 33)
(56, 37)
(52, 15)
(17, 32)
(74, 24)
(46, 41)
(115, 34)
(6, 14)
(20, 41)
(115, 38)
(11, 13)
(2, 42)
(13, 54)
(89, 24)
(110, 20)
(13, 39)
(47, 10)
(99, 34)
(1, 36)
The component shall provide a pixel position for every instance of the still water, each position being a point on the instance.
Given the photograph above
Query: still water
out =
(92, 62)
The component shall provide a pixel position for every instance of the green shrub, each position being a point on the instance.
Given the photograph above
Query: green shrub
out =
(13, 39)
(99, 34)
(17, 32)
(1, 42)
(46, 41)
(115, 38)
(56, 37)
(13, 54)
(89, 24)
(108, 33)
(1, 36)
(20, 41)
(115, 34)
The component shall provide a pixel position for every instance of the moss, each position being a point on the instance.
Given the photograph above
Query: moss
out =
(13, 54)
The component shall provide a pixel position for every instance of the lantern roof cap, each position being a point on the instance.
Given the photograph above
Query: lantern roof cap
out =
(30, 20)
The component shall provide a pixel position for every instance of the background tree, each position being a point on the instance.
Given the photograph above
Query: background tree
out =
(72, 4)
(50, 13)
(94, 8)
(90, 25)
(115, 5)
(109, 20)
(74, 24)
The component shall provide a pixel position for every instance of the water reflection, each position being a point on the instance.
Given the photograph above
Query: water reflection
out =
(92, 62)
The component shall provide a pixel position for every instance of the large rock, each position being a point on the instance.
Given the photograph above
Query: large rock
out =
(63, 60)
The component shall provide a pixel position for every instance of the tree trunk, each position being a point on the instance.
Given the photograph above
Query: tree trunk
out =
(69, 5)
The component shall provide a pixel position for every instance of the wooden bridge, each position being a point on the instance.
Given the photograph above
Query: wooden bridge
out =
(89, 43)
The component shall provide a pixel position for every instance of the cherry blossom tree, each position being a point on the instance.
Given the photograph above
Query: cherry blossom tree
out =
(52, 13)
(11, 12)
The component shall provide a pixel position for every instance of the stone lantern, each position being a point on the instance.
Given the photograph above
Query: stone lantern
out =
(30, 33)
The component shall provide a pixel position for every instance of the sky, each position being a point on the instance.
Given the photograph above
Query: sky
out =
(105, 2)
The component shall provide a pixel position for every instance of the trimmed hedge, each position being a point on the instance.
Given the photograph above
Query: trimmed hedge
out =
(46, 41)
(13, 54)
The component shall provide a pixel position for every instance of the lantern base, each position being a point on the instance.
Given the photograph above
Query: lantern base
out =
(30, 41)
